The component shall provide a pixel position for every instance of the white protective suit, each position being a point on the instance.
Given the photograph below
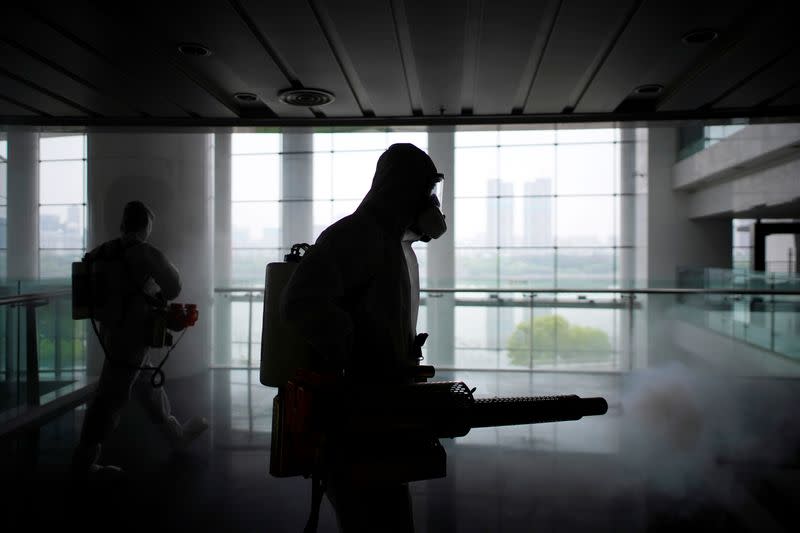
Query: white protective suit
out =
(127, 347)
(354, 297)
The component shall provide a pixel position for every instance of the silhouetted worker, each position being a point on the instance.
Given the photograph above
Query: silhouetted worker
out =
(149, 274)
(354, 298)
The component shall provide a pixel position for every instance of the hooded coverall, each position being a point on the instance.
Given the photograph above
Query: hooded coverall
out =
(350, 298)
(127, 345)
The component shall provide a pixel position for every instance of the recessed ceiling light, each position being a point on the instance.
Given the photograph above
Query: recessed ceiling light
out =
(193, 49)
(246, 97)
(306, 97)
(699, 36)
(651, 89)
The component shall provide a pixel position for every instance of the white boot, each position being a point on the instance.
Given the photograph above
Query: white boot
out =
(180, 436)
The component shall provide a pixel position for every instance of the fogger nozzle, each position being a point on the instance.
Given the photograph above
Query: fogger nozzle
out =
(448, 409)
(490, 412)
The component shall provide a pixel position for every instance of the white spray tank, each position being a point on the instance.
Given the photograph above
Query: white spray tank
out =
(283, 351)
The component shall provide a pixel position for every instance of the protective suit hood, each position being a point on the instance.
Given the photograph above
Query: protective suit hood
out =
(401, 186)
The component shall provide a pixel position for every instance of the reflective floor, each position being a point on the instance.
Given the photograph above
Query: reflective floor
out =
(666, 457)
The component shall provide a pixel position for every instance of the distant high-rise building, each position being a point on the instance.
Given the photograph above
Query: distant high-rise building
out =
(500, 214)
(538, 212)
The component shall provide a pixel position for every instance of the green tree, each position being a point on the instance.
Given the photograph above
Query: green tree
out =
(551, 338)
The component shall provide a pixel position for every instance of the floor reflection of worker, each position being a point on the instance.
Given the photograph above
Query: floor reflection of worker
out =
(147, 274)
(354, 298)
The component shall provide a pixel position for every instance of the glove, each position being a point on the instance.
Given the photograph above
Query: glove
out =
(416, 346)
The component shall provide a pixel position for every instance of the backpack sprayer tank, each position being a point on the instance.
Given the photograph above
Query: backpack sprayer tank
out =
(283, 351)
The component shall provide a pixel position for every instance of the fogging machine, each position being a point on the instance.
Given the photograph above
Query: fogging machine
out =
(311, 409)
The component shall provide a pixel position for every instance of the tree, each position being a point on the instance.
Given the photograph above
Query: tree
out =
(551, 338)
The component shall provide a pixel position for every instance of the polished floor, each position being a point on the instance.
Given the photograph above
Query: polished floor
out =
(674, 453)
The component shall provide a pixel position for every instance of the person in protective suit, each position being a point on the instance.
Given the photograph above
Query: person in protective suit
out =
(354, 297)
(149, 275)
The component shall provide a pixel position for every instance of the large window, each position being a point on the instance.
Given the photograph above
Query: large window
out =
(536, 209)
(3, 209)
(742, 245)
(256, 195)
(62, 204)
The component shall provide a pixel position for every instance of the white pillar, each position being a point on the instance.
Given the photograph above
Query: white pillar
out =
(626, 256)
(627, 207)
(173, 175)
(23, 204)
(297, 187)
(441, 254)
(222, 248)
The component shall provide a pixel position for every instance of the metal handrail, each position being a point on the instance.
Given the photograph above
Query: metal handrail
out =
(673, 290)
(33, 297)
(31, 301)
(29, 417)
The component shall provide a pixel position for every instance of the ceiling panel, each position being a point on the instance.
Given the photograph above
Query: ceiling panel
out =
(767, 84)
(44, 41)
(12, 110)
(508, 36)
(41, 74)
(369, 40)
(395, 61)
(765, 39)
(650, 50)
(583, 31)
(238, 62)
(789, 98)
(31, 97)
(309, 57)
(437, 31)
(131, 49)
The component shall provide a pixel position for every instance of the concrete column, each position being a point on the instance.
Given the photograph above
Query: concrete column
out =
(173, 175)
(674, 240)
(626, 255)
(23, 204)
(222, 248)
(627, 207)
(636, 326)
(441, 255)
(297, 187)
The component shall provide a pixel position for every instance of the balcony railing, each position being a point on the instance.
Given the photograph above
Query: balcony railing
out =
(42, 355)
(564, 329)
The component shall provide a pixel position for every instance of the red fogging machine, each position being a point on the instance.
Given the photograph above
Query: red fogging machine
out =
(174, 317)
(312, 410)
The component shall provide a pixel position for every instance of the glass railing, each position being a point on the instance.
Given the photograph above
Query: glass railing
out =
(752, 331)
(762, 309)
(709, 136)
(42, 350)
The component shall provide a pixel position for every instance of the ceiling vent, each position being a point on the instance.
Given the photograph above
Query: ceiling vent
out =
(699, 36)
(247, 98)
(306, 97)
(651, 89)
(193, 50)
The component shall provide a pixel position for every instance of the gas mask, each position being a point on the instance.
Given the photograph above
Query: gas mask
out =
(144, 234)
(430, 223)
